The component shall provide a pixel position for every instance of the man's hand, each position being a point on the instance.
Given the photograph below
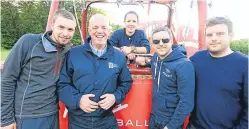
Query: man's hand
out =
(87, 105)
(126, 50)
(165, 127)
(107, 102)
(11, 126)
(1, 66)
(131, 56)
(141, 61)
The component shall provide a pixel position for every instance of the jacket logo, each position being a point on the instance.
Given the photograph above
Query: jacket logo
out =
(112, 65)
(167, 73)
(167, 70)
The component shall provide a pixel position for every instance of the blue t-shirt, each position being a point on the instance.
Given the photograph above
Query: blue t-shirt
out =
(221, 91)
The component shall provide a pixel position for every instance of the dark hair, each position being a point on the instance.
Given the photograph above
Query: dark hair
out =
(220, 20)
(131, 12)
(161, 28)
(63, 13)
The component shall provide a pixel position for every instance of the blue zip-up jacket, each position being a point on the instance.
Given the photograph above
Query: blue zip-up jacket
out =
(85, 73)
(138, 39)
(173, 88)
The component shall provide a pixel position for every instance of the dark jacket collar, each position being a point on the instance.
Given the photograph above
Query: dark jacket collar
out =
(109, 51)
(49, 45)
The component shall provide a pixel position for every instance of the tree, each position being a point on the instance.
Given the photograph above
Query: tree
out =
(9, 24)
(33, 16)
(116, 27)
(21, 17)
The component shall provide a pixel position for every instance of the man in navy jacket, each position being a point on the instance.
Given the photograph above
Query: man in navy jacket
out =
(94, 78)
(174, 82)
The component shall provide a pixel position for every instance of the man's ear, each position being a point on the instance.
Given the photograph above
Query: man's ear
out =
(52, 26)
(89, 29)
(231, 35)
(153, 45)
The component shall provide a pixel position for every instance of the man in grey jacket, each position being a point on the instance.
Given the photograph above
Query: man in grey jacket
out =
(30, 73)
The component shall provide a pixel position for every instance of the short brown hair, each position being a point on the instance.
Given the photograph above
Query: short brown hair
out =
(161, 28)
(63, 13)
(220, 20)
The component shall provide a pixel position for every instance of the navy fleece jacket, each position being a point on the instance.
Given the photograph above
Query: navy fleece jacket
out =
(173, 88)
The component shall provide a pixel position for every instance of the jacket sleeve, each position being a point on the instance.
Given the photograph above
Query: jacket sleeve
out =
(114, 39)
(243, 121)
(67, 92)
(9, 76)
(124, 84)
(185, 87)
(144, 42)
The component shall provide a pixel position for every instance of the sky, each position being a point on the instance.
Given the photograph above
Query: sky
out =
(236, 10)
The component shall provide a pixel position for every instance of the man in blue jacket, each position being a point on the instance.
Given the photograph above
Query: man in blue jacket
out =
(222, 81)
(174, 82)
(94, 79)
(30, 74)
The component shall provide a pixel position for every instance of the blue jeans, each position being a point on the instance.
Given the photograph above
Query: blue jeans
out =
(88, 122)
(49, 122)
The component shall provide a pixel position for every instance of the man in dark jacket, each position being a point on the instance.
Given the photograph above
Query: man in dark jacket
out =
(94, 78)
(174, 82)
(30, 73)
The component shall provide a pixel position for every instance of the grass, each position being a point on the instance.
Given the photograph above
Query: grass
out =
(4, 53)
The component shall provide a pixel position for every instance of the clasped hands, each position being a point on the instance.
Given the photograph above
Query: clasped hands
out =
(89, 106)
(128, 52)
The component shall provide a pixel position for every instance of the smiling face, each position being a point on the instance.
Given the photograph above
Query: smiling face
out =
(63, 30)
(99, 30)
(217, 39)
(131, 23)
(162, 43)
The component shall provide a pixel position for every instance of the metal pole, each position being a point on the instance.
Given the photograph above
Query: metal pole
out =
(83, 24)
(53, 8)
(202, 14)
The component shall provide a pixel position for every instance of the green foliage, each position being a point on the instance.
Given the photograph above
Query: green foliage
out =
(240, 45)
(33, 16)
(10, 22)
(4, 53)
(116, 27)
(21, 17)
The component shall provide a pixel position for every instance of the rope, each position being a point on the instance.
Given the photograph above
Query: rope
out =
(187, 27)
(74, 7)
